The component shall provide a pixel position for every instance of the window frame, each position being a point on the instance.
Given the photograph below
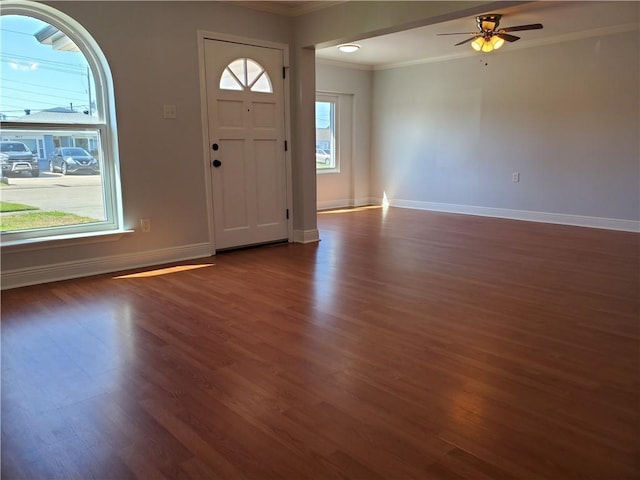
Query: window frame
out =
(244, 83)
(334, 125)
(105, 125)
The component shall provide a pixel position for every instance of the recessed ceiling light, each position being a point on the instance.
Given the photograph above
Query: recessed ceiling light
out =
(349, 47)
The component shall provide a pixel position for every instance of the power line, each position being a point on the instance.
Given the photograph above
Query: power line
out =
(15, 31)
(54, 69)
(36, 85)
(76, 69)
(36, 110)
(42, 60)
(32, 101)
(44, 94)
(20, 108)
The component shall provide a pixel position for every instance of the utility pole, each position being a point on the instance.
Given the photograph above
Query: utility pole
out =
(89, 88)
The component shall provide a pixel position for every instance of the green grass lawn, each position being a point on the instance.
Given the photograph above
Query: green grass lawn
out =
(26, 221)
(15, 207)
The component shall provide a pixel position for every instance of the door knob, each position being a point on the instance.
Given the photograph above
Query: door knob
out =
(216, 163)
(215, 146)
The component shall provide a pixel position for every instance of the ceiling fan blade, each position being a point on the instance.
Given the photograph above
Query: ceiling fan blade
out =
(519, 28)
(466, 41)
(507, 37)
(459, 33)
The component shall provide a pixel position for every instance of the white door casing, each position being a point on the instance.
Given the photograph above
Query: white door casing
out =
(245, 116)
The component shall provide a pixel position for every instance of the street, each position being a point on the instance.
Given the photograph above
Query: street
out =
(79, 194)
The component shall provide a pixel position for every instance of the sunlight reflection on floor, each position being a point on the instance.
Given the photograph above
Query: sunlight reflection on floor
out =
(164, 271)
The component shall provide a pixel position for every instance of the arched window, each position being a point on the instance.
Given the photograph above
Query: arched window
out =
(58, 140)
(243, 74)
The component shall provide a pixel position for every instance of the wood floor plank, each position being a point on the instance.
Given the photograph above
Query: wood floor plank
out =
(405, 344)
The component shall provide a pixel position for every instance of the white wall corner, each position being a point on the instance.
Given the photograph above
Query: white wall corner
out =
(306, 236)
(83, 268)
(364, 201)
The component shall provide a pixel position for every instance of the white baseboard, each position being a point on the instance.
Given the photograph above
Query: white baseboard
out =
(344, 203)
(331, 204)
(362, 202)
(64, 271)
(306, 236)
(543, 217)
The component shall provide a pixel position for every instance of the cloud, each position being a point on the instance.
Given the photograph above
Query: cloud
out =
(23, 67)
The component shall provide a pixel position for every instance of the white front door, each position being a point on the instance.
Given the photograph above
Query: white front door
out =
(245, 105)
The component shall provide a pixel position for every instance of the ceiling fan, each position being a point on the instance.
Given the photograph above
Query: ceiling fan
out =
(490, 36)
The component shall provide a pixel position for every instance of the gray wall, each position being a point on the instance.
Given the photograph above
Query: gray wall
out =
(347, 21)
(565, 116)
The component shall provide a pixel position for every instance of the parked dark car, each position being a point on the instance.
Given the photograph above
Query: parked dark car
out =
(15, 157)
(72, 160)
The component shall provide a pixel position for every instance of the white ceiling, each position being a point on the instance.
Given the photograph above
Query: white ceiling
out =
(562, 21)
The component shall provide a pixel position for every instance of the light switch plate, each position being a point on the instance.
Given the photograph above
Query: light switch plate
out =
(170, 111)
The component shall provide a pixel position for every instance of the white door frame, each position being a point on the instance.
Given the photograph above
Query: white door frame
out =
(202, 37)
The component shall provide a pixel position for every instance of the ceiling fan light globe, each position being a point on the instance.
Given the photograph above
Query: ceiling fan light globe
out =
(487, 47)
(497, 42)
(477, 44)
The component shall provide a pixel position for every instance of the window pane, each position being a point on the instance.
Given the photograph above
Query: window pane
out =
(65, 189)
(253, 70)
(325, 136)
(229, 82)
(263, 84)
(238, 67)
(45, 77)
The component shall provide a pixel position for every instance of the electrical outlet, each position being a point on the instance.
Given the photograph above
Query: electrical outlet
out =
(515, 178)
(145, 225)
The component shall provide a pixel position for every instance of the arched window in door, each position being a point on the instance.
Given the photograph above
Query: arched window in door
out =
(243, 74)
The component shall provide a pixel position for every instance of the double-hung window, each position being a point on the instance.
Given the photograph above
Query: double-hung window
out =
(326, 134)
(58, 142)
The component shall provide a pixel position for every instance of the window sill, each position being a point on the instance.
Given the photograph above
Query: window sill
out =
(42, 243)
(322, 171)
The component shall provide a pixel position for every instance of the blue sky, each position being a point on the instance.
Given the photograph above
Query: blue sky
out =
(323, 114)
(35, 76)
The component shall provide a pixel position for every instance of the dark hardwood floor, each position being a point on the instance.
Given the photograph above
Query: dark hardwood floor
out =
(406, 344)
